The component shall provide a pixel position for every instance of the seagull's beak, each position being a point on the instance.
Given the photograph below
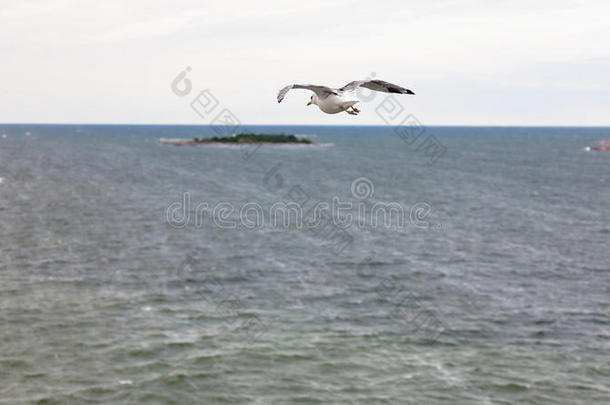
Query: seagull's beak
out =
(309, 103)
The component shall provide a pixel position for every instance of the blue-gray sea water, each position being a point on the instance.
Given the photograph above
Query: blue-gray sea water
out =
(135, 272)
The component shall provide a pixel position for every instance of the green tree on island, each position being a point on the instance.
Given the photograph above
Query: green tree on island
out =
(254, 138)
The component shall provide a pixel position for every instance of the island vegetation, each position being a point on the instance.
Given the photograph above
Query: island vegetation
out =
(245, 138)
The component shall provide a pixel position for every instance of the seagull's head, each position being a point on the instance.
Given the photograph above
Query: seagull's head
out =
(313, 100)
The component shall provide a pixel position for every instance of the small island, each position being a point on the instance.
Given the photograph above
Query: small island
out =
(603, 146)
(239, 139)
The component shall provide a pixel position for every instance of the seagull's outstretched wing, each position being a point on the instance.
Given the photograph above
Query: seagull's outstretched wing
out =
(321, 91)
(377, 85)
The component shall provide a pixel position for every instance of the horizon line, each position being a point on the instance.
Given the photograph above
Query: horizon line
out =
(310, 125)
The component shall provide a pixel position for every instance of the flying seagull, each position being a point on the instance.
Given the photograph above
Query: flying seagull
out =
(333, 101)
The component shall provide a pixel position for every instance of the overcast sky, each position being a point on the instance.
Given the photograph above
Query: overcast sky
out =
(469, 62)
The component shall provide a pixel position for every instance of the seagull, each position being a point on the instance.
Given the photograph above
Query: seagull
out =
(332, 101)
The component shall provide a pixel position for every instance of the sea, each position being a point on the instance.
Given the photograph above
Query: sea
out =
(379, 265)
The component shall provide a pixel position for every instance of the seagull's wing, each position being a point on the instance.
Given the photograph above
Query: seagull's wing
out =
(377, 85)
(321, 91)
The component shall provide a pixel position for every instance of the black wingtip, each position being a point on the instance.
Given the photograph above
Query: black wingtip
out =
(399, 90)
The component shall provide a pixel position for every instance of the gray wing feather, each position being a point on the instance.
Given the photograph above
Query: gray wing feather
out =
(321, 91)
(376, 85)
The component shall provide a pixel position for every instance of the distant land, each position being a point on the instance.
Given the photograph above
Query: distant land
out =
(270, 139)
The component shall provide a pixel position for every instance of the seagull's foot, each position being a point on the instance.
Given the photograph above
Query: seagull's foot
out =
(355, 109)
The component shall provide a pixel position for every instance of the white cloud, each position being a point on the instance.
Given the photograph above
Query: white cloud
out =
(74, 61)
